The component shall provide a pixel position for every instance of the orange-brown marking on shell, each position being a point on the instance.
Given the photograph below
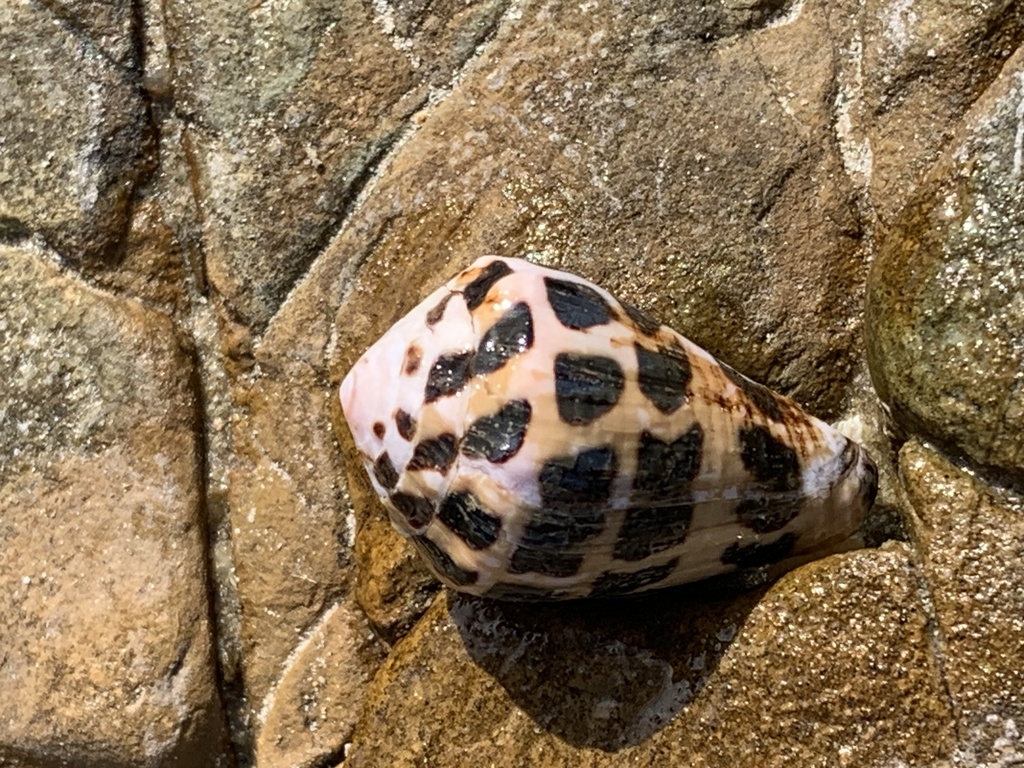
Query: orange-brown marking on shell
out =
(413, 358)
(467, 276)
(802, 437)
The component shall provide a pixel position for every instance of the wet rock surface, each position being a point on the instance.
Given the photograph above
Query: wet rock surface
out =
(208, 211)
(970, 536)
(946, 305)
(688, 676)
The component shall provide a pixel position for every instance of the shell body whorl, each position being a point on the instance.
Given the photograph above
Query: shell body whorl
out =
(536, 438)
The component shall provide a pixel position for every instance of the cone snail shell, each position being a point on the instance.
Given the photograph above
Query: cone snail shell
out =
(536, 438)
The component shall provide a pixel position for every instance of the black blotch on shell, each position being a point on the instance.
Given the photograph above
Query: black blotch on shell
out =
(417, 511)
(477, 291)
(579, 482)
(470, 520)
(385, 472)
(646, 530)
(757, 554)
(609, 583)
(547, 562)
(522, 592)
(666, 469)
(459, 576)
(406, 424)
(435, 453)
(766, 401)
(378, 429)
(576, 306)
(511, 334)
(586, 386)
(644, 322)
(448, 375)
(769, 460)
(765, 516)
(498, 437)
(664, 376)
(574, 491)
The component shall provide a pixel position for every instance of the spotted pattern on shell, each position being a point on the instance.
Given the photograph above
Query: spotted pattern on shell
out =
(538, 439)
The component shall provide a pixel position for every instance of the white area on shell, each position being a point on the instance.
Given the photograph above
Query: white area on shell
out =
(823, 471)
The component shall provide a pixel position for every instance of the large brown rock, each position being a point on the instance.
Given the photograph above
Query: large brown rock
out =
(294, 110)
(912, 72)
(107, 655)
(971, 540)
(832, 666)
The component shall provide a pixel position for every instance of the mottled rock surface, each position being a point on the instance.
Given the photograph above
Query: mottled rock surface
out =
(314, 709)
(74, 135)
(946, 303)
(209, 210)
(106, 653)
(292, 111)
(971, 540)
(837, 653)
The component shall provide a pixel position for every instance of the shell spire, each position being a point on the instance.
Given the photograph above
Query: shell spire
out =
(536, 438)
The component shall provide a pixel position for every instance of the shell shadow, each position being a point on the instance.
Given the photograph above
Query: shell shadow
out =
(606, 673)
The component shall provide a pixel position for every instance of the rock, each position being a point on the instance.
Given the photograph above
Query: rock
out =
(581, 173)
(108, 24)
(834, 660)
(312, 712)
(73, 128)
(971, 539)
(107, 653)
(294, 110)
(912, 71)
(945, 315)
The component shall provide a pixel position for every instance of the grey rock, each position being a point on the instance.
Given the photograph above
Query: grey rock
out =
(75, 139)
(946, 293)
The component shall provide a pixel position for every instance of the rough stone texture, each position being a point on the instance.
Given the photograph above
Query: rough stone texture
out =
(293, 109)
(832, 666)
(109, 24)
(732, 167)
(74, 136)
(971, 540)
(580, 171)
(914, 70)
(291, 539)
(106, 655)
(314, 708)
(946, 302)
